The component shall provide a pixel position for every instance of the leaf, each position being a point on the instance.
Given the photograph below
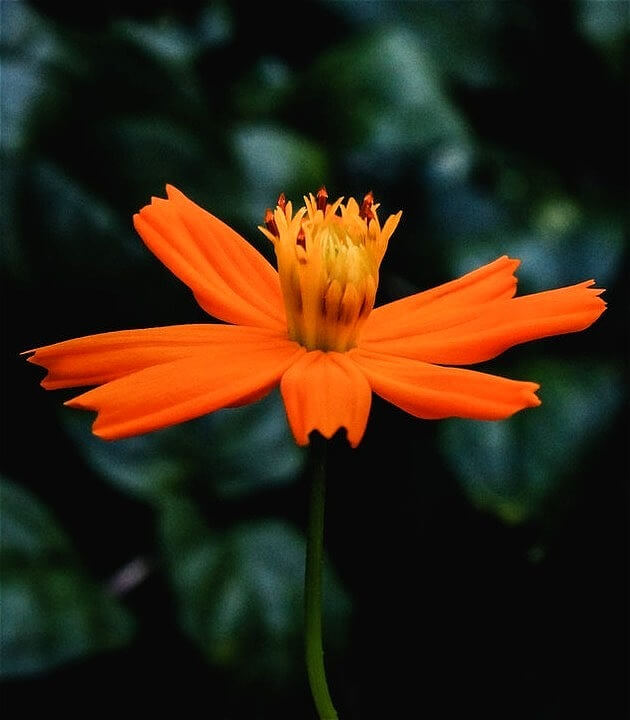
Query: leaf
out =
(252, 448)
(156, 149)
(28, 531)
(605, 24)
(52, 612)
(512, 467)
(230, 452)
(168, 41)
(265, 88)
(139, 465)
(29, 47)
(239, 594)
(383, 95)
(459, 35)
(561, 250)
(271, 160)
(174, 43)
(65, 214)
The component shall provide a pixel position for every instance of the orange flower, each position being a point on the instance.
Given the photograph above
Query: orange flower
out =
(309, 327)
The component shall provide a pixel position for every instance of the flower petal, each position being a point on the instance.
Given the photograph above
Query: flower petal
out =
(229, 278)
(326, 391)
(433, 392)
(97, 359)
(485, 331)
(443, 305)
(162, 395)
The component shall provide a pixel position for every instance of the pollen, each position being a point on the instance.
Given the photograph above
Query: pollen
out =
(328, 256)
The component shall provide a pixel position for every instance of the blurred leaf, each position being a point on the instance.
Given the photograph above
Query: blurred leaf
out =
(229, 452)
(28, 48)
(167, 40)
(512, 467)
(78, 226)
(605, 24)
(273, 160)
(381, 94)
(464, 215)
(215, 25)
(562, 249)
(51, 612)
(28, 531)
(156, 150)
(172, 42)
(263, 90)
(240, 594)
(459, 34)
(141, 466)
(560, 243)
(252, 448)
(461, 38)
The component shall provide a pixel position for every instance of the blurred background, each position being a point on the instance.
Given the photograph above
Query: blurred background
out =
(474, 569)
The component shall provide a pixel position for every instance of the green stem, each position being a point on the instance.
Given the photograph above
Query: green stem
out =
(313, 585)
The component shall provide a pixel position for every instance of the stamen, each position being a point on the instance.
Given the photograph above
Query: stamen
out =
(328, 255)
(366, 211)
(270, 222)
(322, 199)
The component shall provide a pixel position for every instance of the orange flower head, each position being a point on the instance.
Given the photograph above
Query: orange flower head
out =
(309, 327)
(328, 261)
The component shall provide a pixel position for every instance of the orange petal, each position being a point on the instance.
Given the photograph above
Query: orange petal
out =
(433, 392)
(97, 359)
(443, 305)
(162, 395)
(326, 391)
(230, 279)
(485, 331)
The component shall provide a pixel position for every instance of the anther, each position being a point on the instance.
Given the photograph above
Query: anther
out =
(322, 199)
(282, 201)
(301, 238)
(366, 211)
(270, 222)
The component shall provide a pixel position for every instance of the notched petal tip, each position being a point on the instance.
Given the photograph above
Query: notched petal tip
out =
(77, 403)
(169, 393)
(325, 392)
(353, 438)
(530, 395)
(434, 392)
(596, 293)
(38, 362)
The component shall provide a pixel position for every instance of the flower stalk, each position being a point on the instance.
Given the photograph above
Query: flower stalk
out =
(313, 584)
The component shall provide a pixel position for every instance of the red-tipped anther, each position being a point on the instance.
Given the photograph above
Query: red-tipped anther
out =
(301, 238)
(366, 211)
(282, 201)
(270, 222)
(322, 199)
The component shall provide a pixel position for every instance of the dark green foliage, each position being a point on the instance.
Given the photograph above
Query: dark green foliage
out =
(52, 612)
(476, 569)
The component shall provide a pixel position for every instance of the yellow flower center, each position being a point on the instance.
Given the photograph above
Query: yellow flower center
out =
(328, 260)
